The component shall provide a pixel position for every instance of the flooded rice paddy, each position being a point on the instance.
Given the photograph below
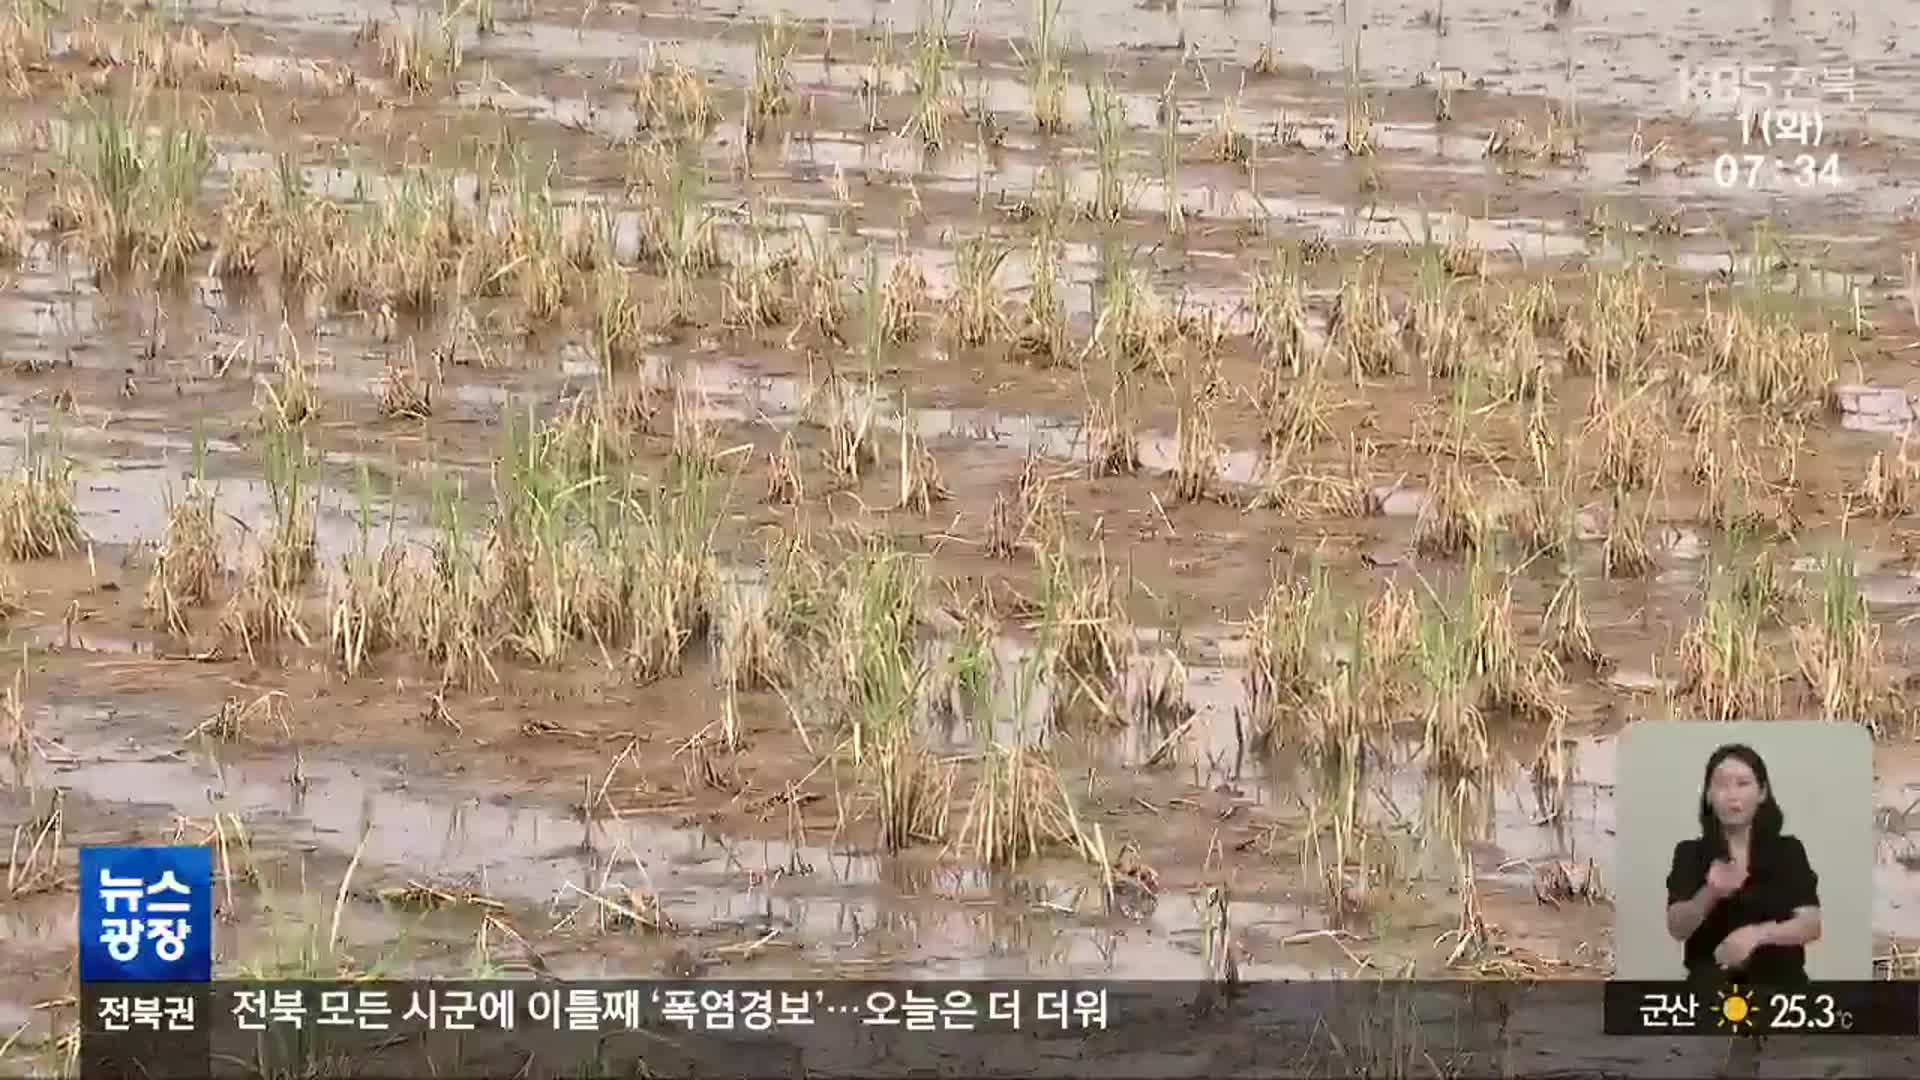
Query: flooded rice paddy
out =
(835, 489)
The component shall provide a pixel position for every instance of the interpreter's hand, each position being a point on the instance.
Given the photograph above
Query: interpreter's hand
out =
(1733, 950)
(1725, 878)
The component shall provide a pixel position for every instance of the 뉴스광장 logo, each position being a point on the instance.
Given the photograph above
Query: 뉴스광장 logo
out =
(146, 914)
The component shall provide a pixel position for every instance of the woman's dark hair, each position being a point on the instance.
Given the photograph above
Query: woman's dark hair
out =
(1768, 820)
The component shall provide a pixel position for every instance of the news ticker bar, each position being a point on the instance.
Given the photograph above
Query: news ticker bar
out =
(1064, 1028)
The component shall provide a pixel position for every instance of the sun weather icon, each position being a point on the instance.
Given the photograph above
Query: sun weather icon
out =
(1736, 1012)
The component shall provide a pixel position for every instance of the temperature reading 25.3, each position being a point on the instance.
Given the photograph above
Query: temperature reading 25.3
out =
(1804, 170)
(1806, 1012)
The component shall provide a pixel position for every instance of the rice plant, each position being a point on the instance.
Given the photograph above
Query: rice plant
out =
(446, 609)
(1356, 135)
(1889, 489)
(755, 296)
(675, 565)
(674, 100)
(26, 40)
(1453, 520)
(1624, 553)
(1362, 327)
(1296, 414)
(176, 166)
(1196, 391)
(1286, 636)
(820, 286)
(1546, 524)
(1770, 362)
(931, 59)
(247, 225)
(535, 248)
(915, 793)
(1279, 318)
(1632, 434)
(1226, 143)
(291, 400)
(38, 518)
(1455, 737)
(769, 92)
(676, 226)
(872, 674)
(1020, 807)
(1608, 338)
(1046, 69)
(404, 393)
(1172, 207)
(289, 552)
(1564, 625)
(104, 208)
(1041, 335)
(188, 563)
(1725, 666)
(616, 318)
(1440, 328)
(1838, 650)
(747, 646)
(785, 482)
(1085, 634)
(902, 302)
(364, 597)
(975, 316)
(920, 482)
(421, 52)
(1109, 139)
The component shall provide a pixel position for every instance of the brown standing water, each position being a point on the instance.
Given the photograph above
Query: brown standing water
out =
(741, 445)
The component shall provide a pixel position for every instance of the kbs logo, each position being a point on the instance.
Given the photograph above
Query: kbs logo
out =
(1732, 85)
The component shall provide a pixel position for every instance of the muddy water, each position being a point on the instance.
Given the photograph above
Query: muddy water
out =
(523, 849)
(1626, 52)
(522, 846)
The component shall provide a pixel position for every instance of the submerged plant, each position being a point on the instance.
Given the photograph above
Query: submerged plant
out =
(1046, 69)
(975, 317)
(1042, 333)
(1020, 808)
(364, 597)
(1109, 136)
(1362, 327)
(772, 83)
(1453, 520)
(188, 563)
(1724, 665)
(915, 793)
(674, 101)
(931, 59)
(421, 52)
(1085, 634)
(1769, 361)
(1608, 338)
(1456, 741)
(1196, 391)
(38, 518)
(1285, 640)
(1279, 318)
(1838, 650)
(177, 166)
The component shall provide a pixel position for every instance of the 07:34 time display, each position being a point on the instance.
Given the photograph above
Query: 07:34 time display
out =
(1805, 170)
